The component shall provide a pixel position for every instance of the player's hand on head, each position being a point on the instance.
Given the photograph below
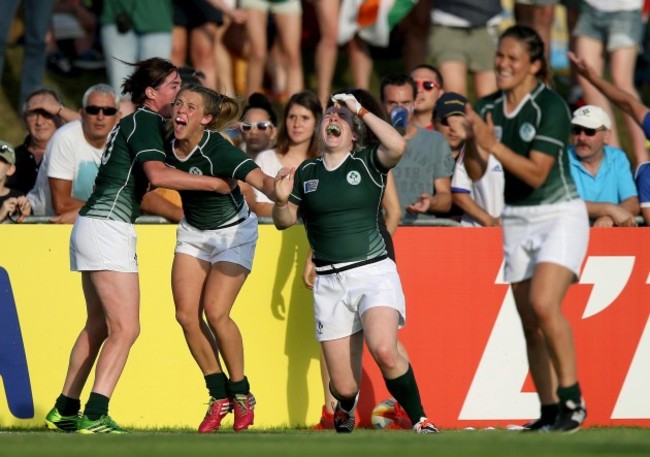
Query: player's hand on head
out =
(347, 100)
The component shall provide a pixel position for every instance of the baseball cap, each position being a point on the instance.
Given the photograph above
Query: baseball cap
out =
(448, 104)
(7, 153)
(591, 117)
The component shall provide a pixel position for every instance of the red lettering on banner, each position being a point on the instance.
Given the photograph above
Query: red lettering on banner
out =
(465, 341)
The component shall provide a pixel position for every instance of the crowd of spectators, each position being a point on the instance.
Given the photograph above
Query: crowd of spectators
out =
(252, 49)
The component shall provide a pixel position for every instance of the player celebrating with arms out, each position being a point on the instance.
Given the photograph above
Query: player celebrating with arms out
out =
(357, 292)
(214, 249)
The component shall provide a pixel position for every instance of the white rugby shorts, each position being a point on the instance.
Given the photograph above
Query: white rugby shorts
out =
(340, 299)
(103, 244)
(556, 233)
(235, 244)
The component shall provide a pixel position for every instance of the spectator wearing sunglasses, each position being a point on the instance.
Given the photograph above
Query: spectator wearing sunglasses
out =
(258, 125)
(601, 172)
(634, 108)
(43, 113)
(297, 142)
(66, 179)
(429, 84)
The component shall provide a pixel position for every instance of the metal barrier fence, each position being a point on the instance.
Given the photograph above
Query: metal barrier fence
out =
(155, 220)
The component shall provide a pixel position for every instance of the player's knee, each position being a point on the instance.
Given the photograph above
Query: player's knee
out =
(386, 356)
(187, 320)
(342, 390)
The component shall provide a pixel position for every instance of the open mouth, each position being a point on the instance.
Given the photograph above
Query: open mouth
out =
(333, 129)
(179, 123)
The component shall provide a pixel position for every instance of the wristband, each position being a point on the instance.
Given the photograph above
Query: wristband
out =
(284, 205)
(361, 111)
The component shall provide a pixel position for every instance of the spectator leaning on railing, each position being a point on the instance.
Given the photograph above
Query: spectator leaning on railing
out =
(602, 173)
(633, 107)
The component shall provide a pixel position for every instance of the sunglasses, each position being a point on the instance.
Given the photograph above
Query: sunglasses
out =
(94, 110)
(576, 130)
(39, 112)
(427, 85)
(247, 127)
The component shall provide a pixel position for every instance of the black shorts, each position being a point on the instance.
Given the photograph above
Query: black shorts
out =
(194, 13)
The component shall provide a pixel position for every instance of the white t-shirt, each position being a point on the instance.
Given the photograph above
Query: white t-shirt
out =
(70, 157)
(616, 5)
(487, 192)
(270, 164)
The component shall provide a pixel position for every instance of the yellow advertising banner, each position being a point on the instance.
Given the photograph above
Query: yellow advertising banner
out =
(161, 385)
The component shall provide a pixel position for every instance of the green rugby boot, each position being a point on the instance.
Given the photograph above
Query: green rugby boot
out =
(58, 423)
(102, 425)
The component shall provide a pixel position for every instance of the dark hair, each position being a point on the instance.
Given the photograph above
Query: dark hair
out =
(148, 73)
(42, 91)
(260, 101)
(224, 109)
(397, 79)
(434, 70)
(190, 75)
(45, 91)
(535, 46)
(309, 100)
(365, 136)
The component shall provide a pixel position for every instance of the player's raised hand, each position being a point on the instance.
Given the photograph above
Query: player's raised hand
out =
(482, 131)
(283, 184)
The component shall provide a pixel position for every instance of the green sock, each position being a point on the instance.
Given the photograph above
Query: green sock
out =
(405, 390)
(570, 393)
(239, 387)
(67, 406)
(97, 406)
(216, 384)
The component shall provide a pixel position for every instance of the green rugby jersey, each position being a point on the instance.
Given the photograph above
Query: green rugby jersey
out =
(340, 207)
(213, 156)
(542, 123)
(121, 181)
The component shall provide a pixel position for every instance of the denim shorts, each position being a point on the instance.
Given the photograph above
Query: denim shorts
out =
(538, 2)
(617, 29)
(285, 7)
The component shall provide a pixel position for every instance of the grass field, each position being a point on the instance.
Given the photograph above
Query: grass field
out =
(590, 442)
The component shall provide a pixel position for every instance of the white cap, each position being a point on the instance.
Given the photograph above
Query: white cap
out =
(591, 117)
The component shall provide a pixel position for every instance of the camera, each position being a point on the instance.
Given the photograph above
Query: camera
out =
(123, 22)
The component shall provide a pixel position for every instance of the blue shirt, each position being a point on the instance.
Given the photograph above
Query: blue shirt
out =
(612, 184)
